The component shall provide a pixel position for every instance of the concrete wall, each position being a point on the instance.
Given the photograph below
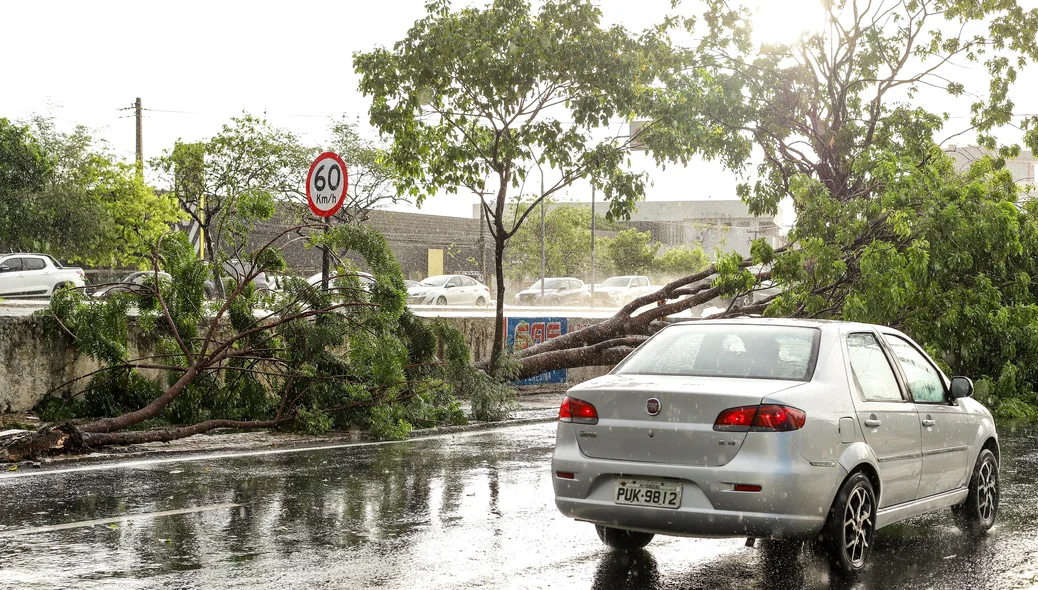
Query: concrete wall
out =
(35, 361)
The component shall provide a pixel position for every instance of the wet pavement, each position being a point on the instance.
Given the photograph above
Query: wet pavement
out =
(471, 510)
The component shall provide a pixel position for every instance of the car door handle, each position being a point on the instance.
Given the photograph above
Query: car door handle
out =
(928, 422)
(872, 422)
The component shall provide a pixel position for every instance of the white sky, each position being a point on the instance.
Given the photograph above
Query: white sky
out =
(195, 64)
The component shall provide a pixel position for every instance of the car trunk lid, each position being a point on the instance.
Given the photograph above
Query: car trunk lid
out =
(682, 432)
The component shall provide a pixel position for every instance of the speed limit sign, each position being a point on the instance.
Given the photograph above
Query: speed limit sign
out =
(326, 184)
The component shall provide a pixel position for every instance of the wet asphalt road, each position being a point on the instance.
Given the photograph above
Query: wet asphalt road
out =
(463, 511)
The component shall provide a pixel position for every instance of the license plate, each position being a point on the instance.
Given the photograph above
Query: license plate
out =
(648, 492)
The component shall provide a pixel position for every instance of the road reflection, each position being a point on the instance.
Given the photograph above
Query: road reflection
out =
(465, 512)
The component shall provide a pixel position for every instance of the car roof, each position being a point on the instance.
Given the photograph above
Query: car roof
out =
(838, 325)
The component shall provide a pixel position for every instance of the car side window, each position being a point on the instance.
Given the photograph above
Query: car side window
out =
(12, 264)
(924, 381)
(871, 370)
(643, 282)
(34, 264)
(467, 282)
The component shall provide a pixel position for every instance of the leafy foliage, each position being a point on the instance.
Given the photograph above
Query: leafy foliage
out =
(567, 241)
(682, 261)
(65, 194)
(234, 179)
(632, 252)
(886, 230)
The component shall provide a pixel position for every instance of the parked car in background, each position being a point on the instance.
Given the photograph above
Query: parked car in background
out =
(36, 275)
(409, 283)
(235, 270)
(449, 290)
(783, 429)
(557, 291)
(622, 290)
(132, 283)
(366, 279)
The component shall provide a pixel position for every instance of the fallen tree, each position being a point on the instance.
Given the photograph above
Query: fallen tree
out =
(305, 358)
(887, 229)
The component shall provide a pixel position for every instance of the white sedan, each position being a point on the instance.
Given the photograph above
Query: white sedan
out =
(449, 290)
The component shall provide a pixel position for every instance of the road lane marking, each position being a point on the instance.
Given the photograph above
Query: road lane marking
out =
(234, 454)
(117, 519)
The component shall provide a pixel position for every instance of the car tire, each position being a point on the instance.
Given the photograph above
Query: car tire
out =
(441, 300)
(555, 301)
(481, 302)
(978, 513)
(623, 539)
(585, 301)
(851, 525)
(58, 286)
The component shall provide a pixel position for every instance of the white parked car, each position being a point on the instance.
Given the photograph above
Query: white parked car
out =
(366, 279)
(622, 290)
(36, 275)
(774, 428)
(449, 290)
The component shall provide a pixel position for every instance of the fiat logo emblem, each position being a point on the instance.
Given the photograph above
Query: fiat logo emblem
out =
(652, 406)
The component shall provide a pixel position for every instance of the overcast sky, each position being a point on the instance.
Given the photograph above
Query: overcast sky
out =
(197, 63)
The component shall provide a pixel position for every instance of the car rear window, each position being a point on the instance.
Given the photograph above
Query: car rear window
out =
(727, 350)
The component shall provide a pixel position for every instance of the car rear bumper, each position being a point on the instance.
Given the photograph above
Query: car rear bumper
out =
(793, 502)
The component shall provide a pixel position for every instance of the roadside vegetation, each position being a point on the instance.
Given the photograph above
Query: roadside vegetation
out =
(836, 122)
(303, 359)
(886, 230)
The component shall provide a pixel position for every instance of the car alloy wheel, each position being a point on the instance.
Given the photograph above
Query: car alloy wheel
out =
(978, 513)
(481, 302)
(849, 529)
(857, 526)
(441, 300)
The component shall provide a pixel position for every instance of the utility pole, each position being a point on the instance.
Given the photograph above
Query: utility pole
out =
(592, 246)
(139, 110)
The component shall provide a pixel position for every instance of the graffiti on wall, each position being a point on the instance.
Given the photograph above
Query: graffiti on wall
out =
(525, 332)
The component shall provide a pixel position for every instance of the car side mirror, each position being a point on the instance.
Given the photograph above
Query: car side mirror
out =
(961, 387)
(449, 286)
(5, 269)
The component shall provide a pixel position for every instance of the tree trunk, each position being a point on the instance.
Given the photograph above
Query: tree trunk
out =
(499, 327)
(210, 249)
(48, 440)
(608, 342)
(500, 236)
(168, 434)
(68, 438)
(149, 411)
(607, 353)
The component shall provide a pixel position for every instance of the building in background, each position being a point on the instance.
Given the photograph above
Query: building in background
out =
(714, 224)
(424, 245)
(1022, 167)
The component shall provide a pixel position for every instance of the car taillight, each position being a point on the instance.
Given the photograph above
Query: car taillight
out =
(763, 418)
(735, 419)
(577, 411)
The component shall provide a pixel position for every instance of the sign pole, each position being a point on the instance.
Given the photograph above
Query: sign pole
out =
(326, 256)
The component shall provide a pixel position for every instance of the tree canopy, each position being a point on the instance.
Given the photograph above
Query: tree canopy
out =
(474, 98)
(65, 194)
(886, 230)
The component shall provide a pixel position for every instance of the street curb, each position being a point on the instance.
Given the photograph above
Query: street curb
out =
(337, 440)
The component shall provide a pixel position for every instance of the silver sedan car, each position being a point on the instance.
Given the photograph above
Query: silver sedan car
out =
(776, 429)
